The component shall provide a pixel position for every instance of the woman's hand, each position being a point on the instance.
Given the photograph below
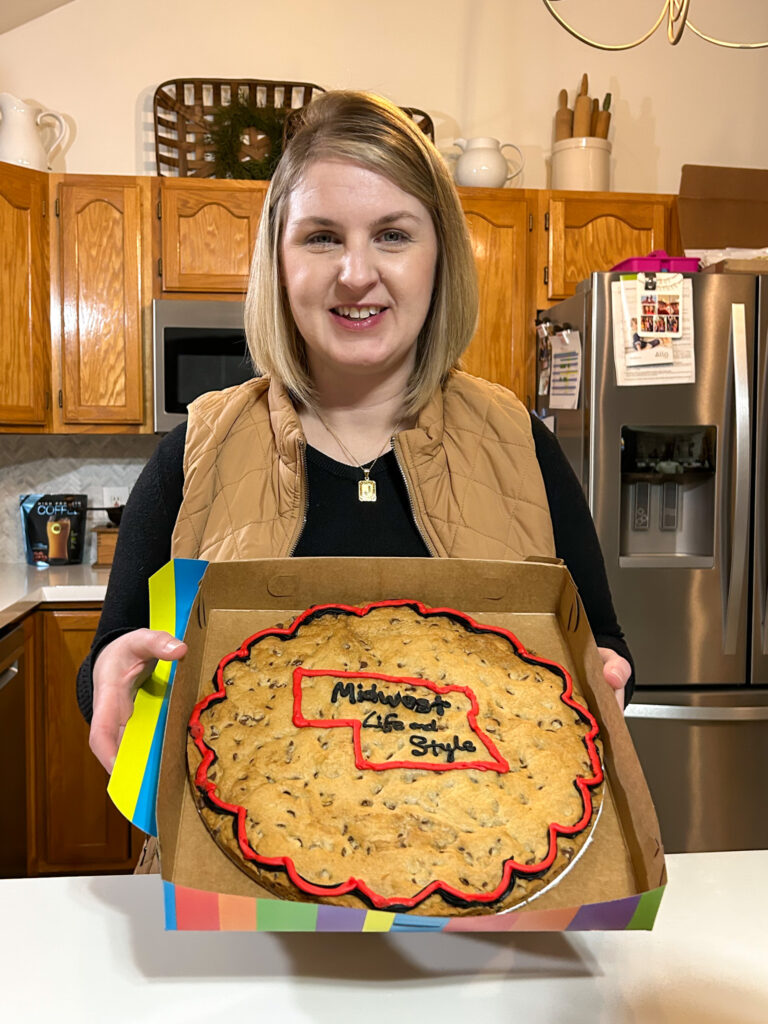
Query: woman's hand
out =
(617, 671)
(119, 670)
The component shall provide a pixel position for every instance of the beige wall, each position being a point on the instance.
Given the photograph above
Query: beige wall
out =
(480, 67)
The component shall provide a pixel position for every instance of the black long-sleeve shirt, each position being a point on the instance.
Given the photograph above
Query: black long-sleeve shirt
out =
(382, 528)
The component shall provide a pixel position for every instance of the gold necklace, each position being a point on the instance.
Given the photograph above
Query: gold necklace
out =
(366, 488)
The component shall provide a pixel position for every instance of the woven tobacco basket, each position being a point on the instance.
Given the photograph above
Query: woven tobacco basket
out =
(184, 115)
(185, 108)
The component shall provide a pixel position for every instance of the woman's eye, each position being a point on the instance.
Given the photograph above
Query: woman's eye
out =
(393, 237)
(321, 240)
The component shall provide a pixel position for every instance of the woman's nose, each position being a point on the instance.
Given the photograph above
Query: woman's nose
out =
(357, 270)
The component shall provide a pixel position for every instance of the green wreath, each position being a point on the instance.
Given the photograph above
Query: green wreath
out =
(226, 137)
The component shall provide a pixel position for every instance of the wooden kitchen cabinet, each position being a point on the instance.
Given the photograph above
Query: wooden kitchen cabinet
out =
(15, 679)
(25, 379)
(75, 289)
(75, 828)
(100, 304)
(208, 231)
(583, 232)
(499, 226)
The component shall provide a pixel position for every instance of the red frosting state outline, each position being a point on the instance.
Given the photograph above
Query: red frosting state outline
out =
(497, 764)
(355, 885)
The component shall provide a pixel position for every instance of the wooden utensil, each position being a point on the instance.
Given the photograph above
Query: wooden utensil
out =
(582, 110)
(603, 118)
(593, 117)
(563, 118)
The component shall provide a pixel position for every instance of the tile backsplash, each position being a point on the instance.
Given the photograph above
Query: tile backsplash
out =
(59, 464)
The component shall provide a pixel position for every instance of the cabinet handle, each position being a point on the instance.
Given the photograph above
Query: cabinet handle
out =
(9, 675)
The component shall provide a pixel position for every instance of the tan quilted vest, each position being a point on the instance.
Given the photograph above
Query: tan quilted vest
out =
(469, 463)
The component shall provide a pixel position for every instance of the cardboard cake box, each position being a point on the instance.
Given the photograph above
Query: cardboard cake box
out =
(616, 883)
(723, 207)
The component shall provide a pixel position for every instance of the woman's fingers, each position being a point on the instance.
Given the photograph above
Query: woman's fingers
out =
(617, 671)
(112, 707)
(120, 667)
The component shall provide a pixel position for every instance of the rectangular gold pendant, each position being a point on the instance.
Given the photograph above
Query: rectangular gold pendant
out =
(366, 490)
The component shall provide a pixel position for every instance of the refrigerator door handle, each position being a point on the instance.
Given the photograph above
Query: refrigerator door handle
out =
(761, 504)
(739, 537)
(687, 713)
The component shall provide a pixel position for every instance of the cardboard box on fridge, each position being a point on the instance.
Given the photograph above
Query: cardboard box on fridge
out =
(616, 883)
(723, 207)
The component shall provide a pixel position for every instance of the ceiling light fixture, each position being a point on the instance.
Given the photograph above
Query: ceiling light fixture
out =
(676, 12)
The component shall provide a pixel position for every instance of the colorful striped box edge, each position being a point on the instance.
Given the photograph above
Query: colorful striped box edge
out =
(189, 909)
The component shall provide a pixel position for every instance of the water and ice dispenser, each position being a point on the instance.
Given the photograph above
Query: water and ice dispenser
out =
(667, 496)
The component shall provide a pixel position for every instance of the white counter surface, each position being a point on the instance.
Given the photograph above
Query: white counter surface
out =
(94, 950)
(23, 587)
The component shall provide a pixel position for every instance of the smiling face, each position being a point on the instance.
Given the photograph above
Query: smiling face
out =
(358, 258)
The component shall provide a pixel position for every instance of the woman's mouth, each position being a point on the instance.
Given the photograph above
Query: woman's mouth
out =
(357, 317)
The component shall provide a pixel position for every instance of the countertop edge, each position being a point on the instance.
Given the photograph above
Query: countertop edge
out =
(24, 589)
(12, 615)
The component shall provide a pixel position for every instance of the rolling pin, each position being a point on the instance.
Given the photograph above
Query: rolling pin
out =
(604, 118)
(582, 110)
(563, 118)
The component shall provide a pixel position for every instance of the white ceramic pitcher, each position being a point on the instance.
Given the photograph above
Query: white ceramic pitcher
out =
(483, 163)
(20, 139)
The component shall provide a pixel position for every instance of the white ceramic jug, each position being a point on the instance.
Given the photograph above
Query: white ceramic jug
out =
(20, 139)
(483, 163)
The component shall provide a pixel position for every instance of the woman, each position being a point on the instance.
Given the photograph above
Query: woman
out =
(361, 438)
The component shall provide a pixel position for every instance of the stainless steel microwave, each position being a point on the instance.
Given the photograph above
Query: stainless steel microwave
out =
(199, 345)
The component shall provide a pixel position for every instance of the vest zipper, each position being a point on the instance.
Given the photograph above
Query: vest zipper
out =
(416, 517)
(305, 502)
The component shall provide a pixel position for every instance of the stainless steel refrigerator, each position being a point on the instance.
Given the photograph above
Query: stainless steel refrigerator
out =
(676, 477)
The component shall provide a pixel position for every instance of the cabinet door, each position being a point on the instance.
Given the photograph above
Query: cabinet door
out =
(24, 319)
(13, 806)
(498, 225)
(208, 233)
(590, 232)
(78, 829)
(100, 253)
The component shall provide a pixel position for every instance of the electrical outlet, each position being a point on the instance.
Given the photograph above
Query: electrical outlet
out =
(115, 496)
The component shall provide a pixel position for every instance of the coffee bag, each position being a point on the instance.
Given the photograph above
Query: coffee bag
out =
(53, 527)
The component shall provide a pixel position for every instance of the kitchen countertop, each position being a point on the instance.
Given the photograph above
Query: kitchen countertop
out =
(23, 587)
(100, 947)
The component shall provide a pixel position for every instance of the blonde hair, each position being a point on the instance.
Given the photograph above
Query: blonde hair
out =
(373, 132)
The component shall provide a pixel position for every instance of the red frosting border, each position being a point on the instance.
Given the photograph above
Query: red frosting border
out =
(358, 886)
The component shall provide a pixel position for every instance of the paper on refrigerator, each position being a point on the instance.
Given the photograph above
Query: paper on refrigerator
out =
(674, 364)
(658, 305)
(565, 380)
